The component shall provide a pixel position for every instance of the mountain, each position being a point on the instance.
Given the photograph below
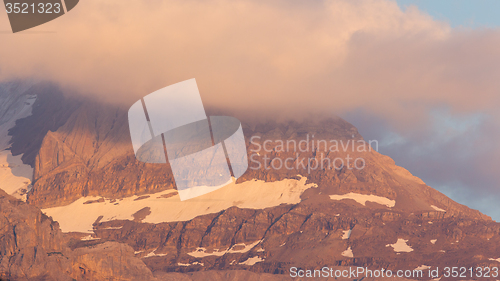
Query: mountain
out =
(365, 212)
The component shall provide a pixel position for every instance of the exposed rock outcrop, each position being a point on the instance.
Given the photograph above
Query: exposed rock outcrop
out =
(32, 247)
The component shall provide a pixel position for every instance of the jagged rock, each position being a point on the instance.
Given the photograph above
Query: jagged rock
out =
(109, 261)
(32, 247)
(307, 234)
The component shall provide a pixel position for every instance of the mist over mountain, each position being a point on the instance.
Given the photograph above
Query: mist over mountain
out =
(92, 204)
(429, 86)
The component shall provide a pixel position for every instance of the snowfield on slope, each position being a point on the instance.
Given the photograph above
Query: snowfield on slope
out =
(202, 252)
(252, 260)
(254, 194)
(362, 199)
(348, 253)
(400, 246)
(346, 234)
(15, 176)
(437, 208)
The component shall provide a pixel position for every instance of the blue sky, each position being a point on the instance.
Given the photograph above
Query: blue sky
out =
(466, 13)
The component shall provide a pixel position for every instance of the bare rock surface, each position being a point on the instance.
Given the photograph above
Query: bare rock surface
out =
(32, 247)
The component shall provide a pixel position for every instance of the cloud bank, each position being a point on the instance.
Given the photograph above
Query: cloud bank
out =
(246, 54)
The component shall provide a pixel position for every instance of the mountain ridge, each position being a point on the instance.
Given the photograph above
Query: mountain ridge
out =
(289, 217)
(93, 151)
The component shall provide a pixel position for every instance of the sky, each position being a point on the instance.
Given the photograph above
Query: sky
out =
(421, 78)
(456, 153)
(460, 13)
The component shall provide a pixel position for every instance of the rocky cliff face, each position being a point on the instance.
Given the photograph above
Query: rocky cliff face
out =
(379, 216)
(309, 235)
(29, 241)
(32, 247)
(83, 150)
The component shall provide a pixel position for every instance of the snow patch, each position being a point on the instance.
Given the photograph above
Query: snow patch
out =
(201, 252)
(363, 198)
(497, 260)
(437, 208)
(254, 194)
(111, 227)
(348, 253)
(347, 234)
(188, 264)
(89, 238)
(153, 254)
(400, 246)
(433, 241)
(423, 267)
(252, 261)
(15, 176)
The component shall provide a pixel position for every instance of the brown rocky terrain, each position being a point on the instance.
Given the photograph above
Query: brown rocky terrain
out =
(82, 148)
(309, 235)
(32, 247)
(75, 146)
